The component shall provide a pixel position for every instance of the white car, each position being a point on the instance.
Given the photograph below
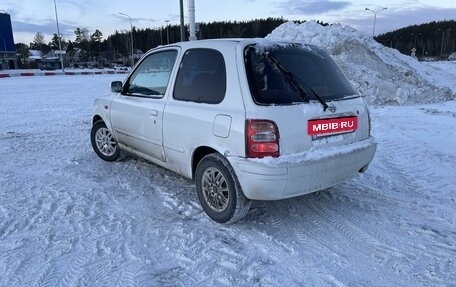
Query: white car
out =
(247, 119)
(121, 69)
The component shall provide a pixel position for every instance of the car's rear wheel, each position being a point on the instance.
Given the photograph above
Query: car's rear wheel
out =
(218, 189)
(103, 142)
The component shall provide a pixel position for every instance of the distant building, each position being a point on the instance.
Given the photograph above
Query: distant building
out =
(8, 58)
(34, 55)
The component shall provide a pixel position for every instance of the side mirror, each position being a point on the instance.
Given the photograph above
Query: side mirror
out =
(116, 86)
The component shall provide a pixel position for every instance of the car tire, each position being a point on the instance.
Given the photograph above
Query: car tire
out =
(219, 191)
(103, 142)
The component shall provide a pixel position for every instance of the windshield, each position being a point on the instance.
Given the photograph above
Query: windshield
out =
(311, 66)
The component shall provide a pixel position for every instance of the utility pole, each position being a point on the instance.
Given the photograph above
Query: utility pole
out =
(375, 17)
(191, 16)
(167, 31)
(59, 36)
(131, 34)
(182, 24)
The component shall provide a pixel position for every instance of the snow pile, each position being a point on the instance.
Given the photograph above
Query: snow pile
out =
(383, 75)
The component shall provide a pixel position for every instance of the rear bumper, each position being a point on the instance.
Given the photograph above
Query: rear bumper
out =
(294, 175)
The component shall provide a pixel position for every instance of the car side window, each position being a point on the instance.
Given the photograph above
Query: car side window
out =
(151, 77)
(201, 77)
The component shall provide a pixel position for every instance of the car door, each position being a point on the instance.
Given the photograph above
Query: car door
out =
(137, 112)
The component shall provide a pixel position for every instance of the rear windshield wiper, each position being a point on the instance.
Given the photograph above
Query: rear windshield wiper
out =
(301, 87)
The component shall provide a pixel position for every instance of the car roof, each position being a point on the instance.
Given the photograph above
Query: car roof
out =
(223, 41)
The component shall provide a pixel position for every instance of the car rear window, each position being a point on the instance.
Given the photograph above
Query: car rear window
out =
(312, 67)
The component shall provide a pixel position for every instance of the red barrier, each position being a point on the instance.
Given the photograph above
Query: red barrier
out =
(38, 73)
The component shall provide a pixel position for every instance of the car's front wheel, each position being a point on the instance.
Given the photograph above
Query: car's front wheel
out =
(103, 142)
(218, 189)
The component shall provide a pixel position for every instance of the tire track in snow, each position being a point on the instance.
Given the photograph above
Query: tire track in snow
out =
(278, 223)
(301, 234)
(211, 255)
(7, 227)
(67, 270)
(294, 262)
(340, 233)
(303, 228)
(364, 225)
(374, 247)
(409, 254)
(412, 168)
(355, 236)
(43, 278)
(368, 247)
(307, 220)
(17, 262)
(191, 236)
(71, 276)
(125, 277)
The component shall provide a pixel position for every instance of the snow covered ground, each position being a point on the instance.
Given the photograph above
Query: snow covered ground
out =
(68, 218)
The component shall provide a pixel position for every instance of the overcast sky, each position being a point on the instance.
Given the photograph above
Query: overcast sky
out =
(31, 16)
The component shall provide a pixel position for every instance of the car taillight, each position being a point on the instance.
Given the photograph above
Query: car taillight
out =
(262, 138)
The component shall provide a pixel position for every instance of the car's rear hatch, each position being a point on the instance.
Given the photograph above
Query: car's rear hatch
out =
(303, 91)
(306, 126)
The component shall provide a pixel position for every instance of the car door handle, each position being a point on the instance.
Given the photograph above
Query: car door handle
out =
(154, 113)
